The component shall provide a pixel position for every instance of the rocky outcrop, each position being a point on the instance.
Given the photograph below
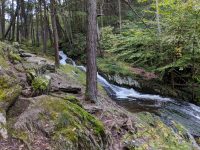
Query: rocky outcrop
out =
(124, 81)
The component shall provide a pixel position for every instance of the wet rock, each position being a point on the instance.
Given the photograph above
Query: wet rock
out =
(128, 81)
(70, 61)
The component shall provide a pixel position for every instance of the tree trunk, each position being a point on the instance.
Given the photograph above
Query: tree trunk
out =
(2, 20)
(45, 27)
(158, 17)
(91, 81)
(120, 15)
(42, 27)
(55, 32)
(37, 30)
(0, 23)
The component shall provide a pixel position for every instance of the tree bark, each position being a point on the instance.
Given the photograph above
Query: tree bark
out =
(45, 27)
(120, 15)
(91, 81)
(2, 20)
(158, 17)
(55, 32)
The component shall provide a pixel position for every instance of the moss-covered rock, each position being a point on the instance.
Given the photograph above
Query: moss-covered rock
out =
(3, 59)
(9, 91)
(67, 125)
(152, 133)
(73, 100)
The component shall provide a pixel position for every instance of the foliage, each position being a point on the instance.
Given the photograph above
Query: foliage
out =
(111, 66)
(133, 45)
(40, 83)
(14, 57)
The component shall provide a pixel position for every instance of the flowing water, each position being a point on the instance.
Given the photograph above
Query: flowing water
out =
(168, 109)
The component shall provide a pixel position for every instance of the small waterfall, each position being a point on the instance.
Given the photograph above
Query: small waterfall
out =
(63, 58)
(185, 113)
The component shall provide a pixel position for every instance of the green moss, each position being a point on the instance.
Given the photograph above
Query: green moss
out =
(21, 135)
(14, 57)
(74, 73)
(3, 59)
(68, 132)
(151, 133)
(9, 90)
(73, 100)
(71, 118)
(77, 75)
(40, 83)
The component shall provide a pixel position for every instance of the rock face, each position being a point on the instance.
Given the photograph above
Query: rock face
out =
(127, 81)
(59, 83)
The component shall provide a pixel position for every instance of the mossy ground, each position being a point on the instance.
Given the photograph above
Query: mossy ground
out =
(151, 133)
(3, 59)
(9, 91)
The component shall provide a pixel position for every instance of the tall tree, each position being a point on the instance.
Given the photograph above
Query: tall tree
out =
(55, 32)
(91, 81)
(2, 19)
(120, 15)
(158, 17)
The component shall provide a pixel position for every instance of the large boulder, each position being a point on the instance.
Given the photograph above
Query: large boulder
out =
(59, 82)
(65, 125)
(9, 92)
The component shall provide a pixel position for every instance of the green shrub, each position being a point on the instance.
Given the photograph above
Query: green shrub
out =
(40, 83)
(14, 57)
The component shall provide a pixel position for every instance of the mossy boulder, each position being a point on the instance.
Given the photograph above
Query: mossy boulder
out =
(3, 58)
(9, 92)
(67, 125)
(152, 133)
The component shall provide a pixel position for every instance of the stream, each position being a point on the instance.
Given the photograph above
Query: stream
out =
(167, 109)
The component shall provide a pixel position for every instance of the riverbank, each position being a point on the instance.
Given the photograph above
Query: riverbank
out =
(123, 74)
(56, 116)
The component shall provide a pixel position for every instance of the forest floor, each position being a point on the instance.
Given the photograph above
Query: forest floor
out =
(31, 117)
